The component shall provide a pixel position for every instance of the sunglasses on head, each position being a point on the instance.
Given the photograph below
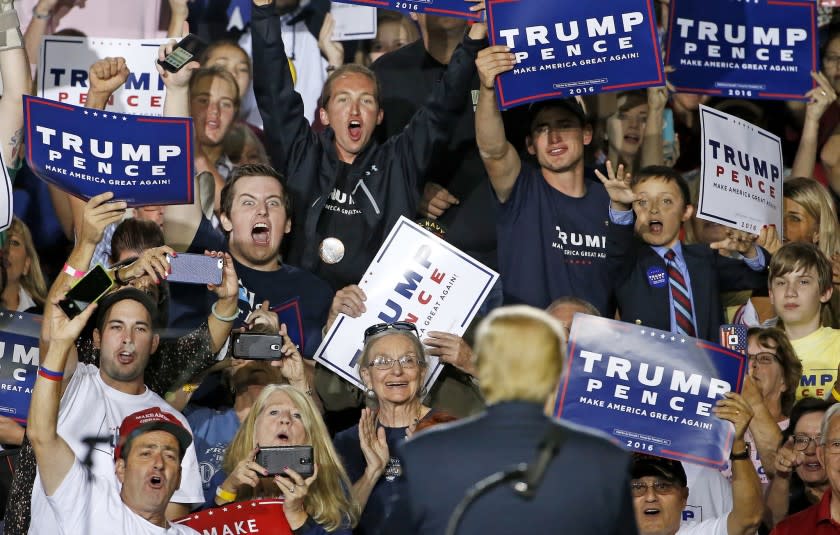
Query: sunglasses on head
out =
(403, 326)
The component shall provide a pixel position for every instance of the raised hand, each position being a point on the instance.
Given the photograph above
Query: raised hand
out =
(373, 443)
(493, 61)
(436, 201)
(349, 300)
(180, 79)
(100, 212)
(738, 240)
(333, 51)
(787, 459)
(452, 349)
(769, 239)
(734, 409)
(820, 98)
(618, 187)
(106, 76)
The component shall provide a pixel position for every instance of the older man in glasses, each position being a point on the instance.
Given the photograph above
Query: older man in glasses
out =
(660, 490)
(824, 517)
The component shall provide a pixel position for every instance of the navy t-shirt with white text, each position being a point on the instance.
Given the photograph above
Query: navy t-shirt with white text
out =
(552, 245)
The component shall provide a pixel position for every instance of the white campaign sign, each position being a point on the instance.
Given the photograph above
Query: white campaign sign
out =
(6, 204)
(742, 173)
(65, 61)
(414, 277)
(353, 22)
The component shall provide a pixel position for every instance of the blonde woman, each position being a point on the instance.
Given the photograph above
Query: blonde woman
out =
(285, 416)
(25, 288)
(810, 216)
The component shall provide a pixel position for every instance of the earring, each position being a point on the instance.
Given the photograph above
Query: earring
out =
(370, 393)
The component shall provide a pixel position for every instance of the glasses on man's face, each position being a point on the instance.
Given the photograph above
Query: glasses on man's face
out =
(801, 442)
(407, 362)
(404, 326)
(661, 487)
(831, 60)
(765, 358)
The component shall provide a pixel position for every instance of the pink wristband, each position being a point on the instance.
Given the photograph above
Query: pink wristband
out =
(73, 272)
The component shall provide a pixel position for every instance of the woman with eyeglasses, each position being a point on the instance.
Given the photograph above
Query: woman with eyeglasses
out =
(770, 389)
(393, 367)
(800, 478)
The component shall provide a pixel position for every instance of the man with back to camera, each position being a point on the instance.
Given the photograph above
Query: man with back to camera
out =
(586, 486)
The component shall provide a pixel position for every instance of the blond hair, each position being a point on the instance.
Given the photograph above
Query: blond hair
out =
(328, 502)
(817, 202)
(33, 280)
(519, 354)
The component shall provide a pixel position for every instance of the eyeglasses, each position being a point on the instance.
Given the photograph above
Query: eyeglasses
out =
(639, 488)
(801, 442)
(764, 358)
(407, 362)
(404, 326)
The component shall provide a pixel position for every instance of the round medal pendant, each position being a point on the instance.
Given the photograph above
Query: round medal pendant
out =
(331, 250)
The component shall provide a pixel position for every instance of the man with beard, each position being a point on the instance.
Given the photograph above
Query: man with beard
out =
(94, 401)
(552, 219)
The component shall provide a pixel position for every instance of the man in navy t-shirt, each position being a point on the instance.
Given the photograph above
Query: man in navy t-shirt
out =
(255, 216)
(552, 220)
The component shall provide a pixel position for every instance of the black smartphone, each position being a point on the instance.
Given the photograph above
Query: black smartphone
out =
(89, 289)
(195, 269)
(254, 346)
(187, 49)
(276, 458)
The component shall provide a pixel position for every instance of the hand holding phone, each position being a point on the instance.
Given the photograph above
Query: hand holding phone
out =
(253, 346)
(188, 49)
(90, 288)
(276, 459)
(195, 269)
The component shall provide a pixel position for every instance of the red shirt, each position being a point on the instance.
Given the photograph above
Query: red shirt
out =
(815, 520)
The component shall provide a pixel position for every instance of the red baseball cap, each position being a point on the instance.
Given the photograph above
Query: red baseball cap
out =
(152, 419)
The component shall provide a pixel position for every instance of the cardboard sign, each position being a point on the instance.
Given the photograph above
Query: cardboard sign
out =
(353, 22)
(415, 277)
(6, 199)
(567, 48)
(756, 49)
(741, 172)
(265, 517)
(19, 358)
(651, 390)
(65, 61)
(440, 8)
(143, 160)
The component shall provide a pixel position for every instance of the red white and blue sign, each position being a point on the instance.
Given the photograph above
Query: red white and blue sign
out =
(652, 391)
(440, 8)
(85, 152)
(567, 48)
(19, 358)
(761, 49)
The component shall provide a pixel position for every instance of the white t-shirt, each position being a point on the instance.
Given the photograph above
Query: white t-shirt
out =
(91, 408)
(713, 526)
(95, 507)
(709, 494)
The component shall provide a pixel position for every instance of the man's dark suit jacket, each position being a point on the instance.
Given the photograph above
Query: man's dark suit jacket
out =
(629, 260)
(586, 488)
